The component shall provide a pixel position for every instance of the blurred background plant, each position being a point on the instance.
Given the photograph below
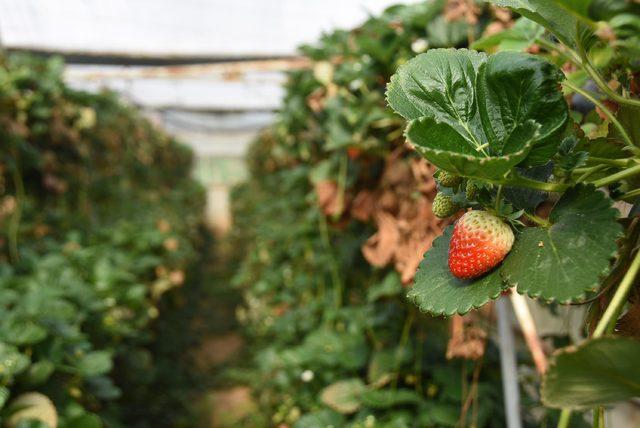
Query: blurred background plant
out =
(333, 223)
(100, 219)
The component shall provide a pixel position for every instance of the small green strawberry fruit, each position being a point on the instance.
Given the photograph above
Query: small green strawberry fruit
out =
(472, 190)
(480, 241)
(443, 206)
(447, 179)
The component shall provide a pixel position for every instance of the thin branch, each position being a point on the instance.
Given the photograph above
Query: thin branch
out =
(528, 326)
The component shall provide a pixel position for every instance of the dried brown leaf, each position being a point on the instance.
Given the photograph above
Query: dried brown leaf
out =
(468, 340)
(363, 206)
(380, 248)
(329, 198)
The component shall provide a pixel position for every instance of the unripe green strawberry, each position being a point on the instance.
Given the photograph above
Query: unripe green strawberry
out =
(447, 179)
(479, 243)
(472, 190)
(443, 206)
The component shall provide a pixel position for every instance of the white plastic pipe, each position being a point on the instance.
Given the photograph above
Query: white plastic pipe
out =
(508, 364)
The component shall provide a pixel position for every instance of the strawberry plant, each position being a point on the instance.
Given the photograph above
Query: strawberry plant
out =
(330, 228)
(98, 219)
(550, 143)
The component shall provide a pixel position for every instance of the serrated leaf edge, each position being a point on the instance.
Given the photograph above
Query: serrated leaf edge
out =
(593, 287)
(411, 295)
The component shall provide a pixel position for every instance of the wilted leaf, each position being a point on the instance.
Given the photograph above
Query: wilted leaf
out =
(330, 199)
(379, 248)
(467, 341)
(344, 396)
(33, 405)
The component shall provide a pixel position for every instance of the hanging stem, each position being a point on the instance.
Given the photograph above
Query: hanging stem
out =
(498, 198)
(588, 95)
(404, 339)
(622, 163)
(599, 81)
(537, 220)
(342, 181)
(566, 53)
(528, 326)
(598, 417)
(626, 173)
(607, 322)
(631, 194)
(565, 417)
(589, 172)
(14, 226)
(518, 181)
(333, 265)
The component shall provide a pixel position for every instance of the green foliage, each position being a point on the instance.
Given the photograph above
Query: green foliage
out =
(567, 258)
(501, 119)
(438, 292)
(598, 372)
(334, 340)
(98, 210)
(444, 206)
(480, 116)
(567, 19)
(521, 36)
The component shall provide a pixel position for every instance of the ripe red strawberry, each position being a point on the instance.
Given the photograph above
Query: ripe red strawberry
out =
(480, 241)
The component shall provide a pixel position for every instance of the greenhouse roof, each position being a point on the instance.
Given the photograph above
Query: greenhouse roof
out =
(206, 29)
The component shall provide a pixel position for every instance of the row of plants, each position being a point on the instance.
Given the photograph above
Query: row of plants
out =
(98, 220)
(332, 225)
(537, 145)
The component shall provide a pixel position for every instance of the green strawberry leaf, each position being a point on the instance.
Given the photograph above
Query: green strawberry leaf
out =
(446, 149)
(438, 292)
(598, 372)
(515, 88)
(565, 260)
(95, 363)
(439, 84)
(320, 418)
(522, 35)
(386, 398)
(479, 116)
(12, 362)
(567, 19)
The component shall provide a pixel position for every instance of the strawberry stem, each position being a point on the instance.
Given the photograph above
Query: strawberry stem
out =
(625, 173)
(607, 322)
(518, 181)
(498, 199)
(537, 220)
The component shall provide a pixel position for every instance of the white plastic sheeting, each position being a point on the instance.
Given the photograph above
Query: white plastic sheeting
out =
(169, 28)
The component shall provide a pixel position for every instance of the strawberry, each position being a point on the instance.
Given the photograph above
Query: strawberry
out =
(480, 241)
(443, 206)
(472, 190)
(447, 179)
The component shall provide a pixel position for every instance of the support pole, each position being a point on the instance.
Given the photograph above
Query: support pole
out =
(508, 364)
